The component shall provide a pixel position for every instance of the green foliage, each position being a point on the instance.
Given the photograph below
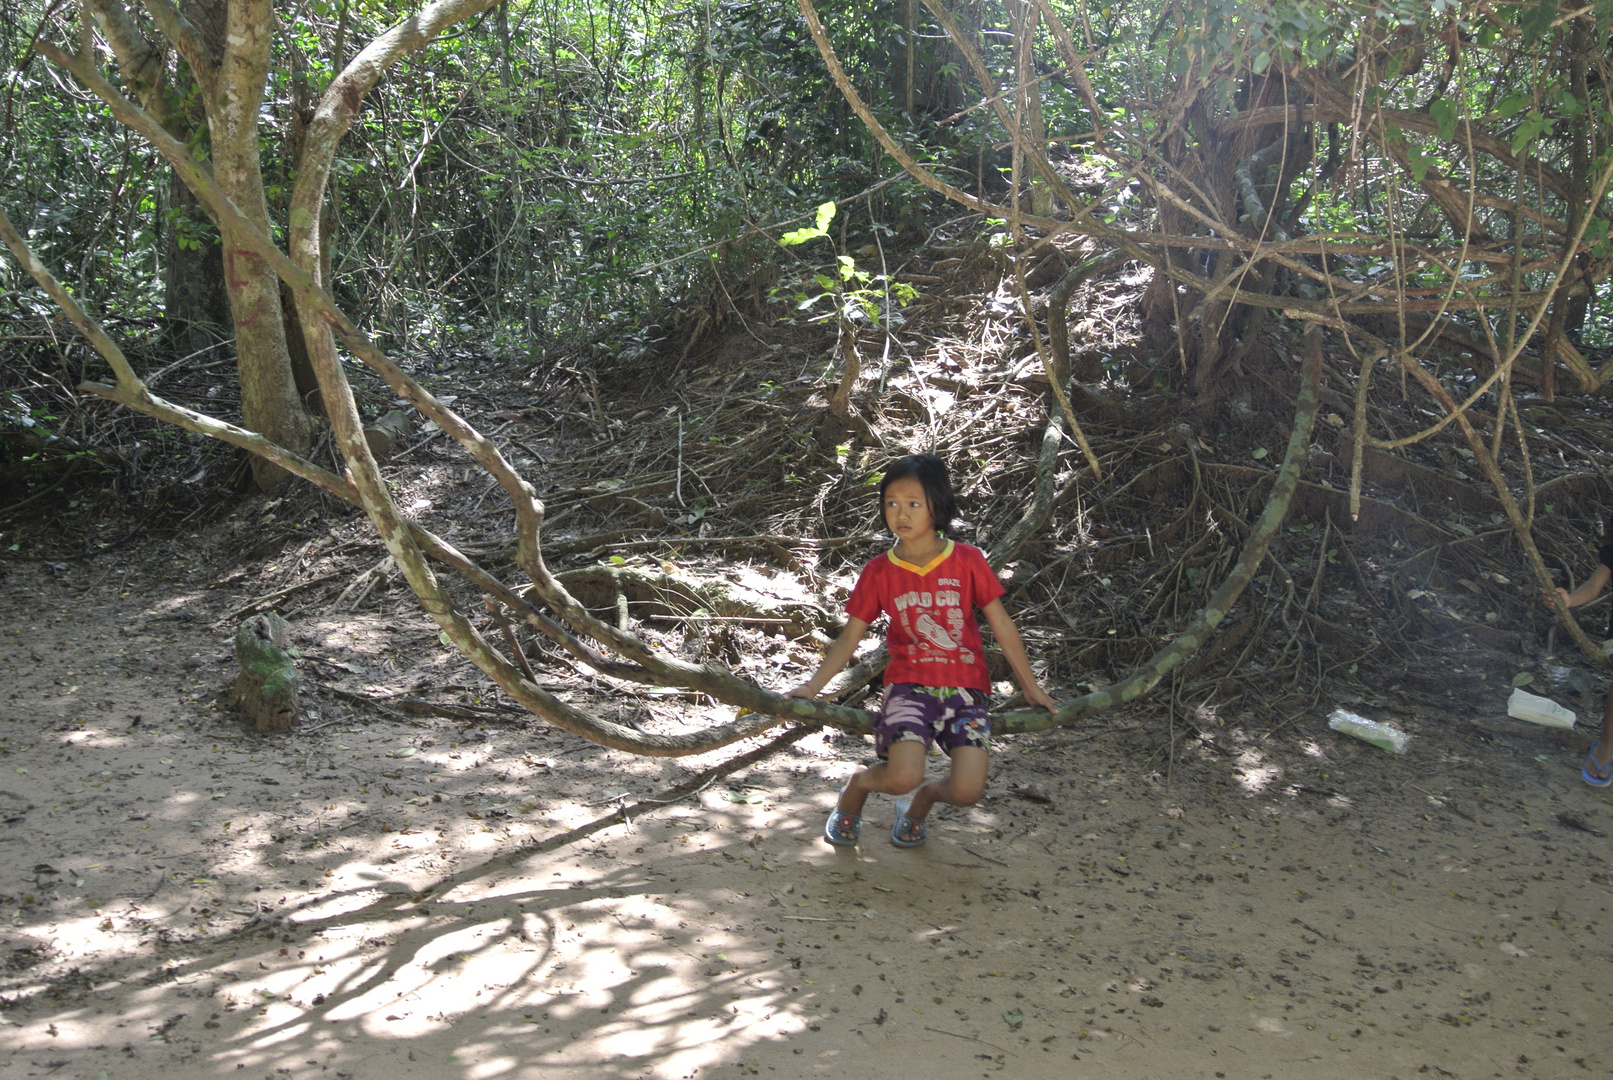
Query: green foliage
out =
(853, 292)
(562, 172)
(825, 215)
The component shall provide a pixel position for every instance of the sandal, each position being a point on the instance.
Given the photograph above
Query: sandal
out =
(842, 829)
(907, 831)
(1595, 774)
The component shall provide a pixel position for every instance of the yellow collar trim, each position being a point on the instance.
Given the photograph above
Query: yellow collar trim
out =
(946, 553)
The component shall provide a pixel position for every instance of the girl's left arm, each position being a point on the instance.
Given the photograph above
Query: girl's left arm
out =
(1013, 647)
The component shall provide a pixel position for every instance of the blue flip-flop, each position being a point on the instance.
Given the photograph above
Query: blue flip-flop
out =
(907, 831)
(842, 829)
(1594, 774)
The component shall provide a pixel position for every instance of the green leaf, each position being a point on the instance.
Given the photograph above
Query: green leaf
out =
(1417, 162)
(1522, 678)
(1532, 125)
(1443, 110)
(1258, 453)
(826, 214)
(1536, 21)
(1013, 1018)
(617, 560)
(1511, 106)
(800, 236)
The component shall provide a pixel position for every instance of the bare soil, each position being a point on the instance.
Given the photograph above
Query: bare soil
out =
(392, 896)
(423, 881)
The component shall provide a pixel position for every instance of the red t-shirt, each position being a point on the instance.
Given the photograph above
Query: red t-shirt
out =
(933, 638)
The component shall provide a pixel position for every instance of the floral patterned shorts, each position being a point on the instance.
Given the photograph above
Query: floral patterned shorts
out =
(914, 713)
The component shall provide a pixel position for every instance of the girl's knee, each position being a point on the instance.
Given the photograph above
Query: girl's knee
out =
(901, 779)
(966, 795)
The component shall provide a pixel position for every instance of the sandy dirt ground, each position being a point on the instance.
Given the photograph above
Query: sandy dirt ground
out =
(387, 896)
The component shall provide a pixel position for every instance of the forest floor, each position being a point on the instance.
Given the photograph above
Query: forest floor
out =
(423, 881)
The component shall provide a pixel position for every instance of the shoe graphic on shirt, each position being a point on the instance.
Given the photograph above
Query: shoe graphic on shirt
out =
(934, 633)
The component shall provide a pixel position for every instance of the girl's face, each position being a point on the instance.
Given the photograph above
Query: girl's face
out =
(907, 510)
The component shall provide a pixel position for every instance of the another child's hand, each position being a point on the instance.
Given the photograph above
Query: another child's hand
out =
(805, 690)
(1558, 599)
(1037, 696)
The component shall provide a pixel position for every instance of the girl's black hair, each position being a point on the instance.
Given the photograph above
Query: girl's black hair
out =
(931, 472)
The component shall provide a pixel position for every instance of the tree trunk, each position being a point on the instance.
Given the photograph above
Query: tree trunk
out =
(270, 404)
(193, 260)
(906, 57)
(194, 304)
(1033, 128)
(226, 46)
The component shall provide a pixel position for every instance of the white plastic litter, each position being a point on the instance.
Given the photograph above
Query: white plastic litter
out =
(1383, 736)
(1523, 705)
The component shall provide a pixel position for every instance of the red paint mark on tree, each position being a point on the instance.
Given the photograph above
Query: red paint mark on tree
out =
(238, 283)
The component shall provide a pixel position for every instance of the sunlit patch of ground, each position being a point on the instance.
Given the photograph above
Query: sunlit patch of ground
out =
(414, 898)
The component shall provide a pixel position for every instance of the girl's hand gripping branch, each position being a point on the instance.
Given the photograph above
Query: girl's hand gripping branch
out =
(1589, 590)
(1013, 647)
(838, 656)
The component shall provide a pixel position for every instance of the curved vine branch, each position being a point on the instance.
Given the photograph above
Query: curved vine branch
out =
(761, 708)
(1198, 632)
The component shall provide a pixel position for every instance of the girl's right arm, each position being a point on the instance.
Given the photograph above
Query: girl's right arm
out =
(1588, 590)
(838, 656)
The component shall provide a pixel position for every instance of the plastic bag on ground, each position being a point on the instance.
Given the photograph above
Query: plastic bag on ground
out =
(1383, 736)
(1523, 705)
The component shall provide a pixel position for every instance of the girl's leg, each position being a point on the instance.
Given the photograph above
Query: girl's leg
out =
(1606, 749)
(1602, 752)
(964, 785)
(899, 773)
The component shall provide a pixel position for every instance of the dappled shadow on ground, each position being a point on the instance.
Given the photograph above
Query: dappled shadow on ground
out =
(420, 899)
(1224, 886)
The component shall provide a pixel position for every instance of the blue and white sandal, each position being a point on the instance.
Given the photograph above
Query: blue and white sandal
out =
(842, 829)
(907, 831)
(1594, 774)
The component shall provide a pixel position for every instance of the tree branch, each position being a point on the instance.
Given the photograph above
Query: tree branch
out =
(139, 59)
(1199, 631)
(184, 36)
(399, 536)
(340, 104)
(892, 147)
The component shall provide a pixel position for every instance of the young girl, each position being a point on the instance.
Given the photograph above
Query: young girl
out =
(937, 686)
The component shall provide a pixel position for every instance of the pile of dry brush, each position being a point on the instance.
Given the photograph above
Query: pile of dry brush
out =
(712, 511)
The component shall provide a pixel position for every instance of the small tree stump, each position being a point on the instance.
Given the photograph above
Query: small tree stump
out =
(266, 688)
(386, 433)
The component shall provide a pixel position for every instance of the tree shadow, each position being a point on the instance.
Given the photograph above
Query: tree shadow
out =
(486, 968)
